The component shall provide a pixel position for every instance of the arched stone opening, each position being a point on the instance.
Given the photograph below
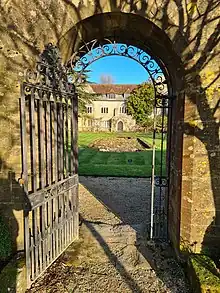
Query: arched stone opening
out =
(120, 126)
(138, 31)
(130, 29)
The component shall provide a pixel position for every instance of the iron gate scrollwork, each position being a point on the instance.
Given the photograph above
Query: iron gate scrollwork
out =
(97, 49)
(48, 110)
(160, 177)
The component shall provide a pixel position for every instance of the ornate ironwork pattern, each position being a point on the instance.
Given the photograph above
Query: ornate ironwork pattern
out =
(50, 73)
(161, 181)
(95, 50)
(162, 101)
(48, 109)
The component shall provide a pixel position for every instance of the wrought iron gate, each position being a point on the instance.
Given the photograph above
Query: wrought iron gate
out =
(160, 172)
(48, 108)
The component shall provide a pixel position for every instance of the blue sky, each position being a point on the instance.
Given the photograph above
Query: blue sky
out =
(122, 69)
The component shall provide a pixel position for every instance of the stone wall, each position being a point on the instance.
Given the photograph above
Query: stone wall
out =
(185, 36)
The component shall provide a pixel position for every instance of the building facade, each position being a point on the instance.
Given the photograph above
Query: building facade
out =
(107, 111)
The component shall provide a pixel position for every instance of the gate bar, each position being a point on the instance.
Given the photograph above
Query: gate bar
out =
(153, 174)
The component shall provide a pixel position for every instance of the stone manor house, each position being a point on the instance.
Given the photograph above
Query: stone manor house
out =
(107, 111)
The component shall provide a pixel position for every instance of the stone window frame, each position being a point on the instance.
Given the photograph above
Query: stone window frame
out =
(104, 110)
(123, 109)
(111, 96)
(89, 109)
(106, 123)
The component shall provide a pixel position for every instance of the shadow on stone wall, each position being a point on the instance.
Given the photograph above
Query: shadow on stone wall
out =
(204, 124)
(11, 209)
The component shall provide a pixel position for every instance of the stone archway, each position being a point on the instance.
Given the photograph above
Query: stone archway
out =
(120, 126)
(118, 27)
(110, 44)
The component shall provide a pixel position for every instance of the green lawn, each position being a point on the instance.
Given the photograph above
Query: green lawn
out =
(129, 164)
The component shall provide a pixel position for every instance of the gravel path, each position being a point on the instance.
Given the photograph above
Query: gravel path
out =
(113, 254)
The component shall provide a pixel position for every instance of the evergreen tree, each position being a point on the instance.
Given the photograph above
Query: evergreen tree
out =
(140, 104)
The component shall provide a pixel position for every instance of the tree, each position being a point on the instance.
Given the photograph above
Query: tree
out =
(106, 79)
(140, 104)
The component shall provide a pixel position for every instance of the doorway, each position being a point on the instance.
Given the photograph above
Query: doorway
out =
(120, 126)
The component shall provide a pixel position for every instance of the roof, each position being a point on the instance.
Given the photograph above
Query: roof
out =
(113, 88)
